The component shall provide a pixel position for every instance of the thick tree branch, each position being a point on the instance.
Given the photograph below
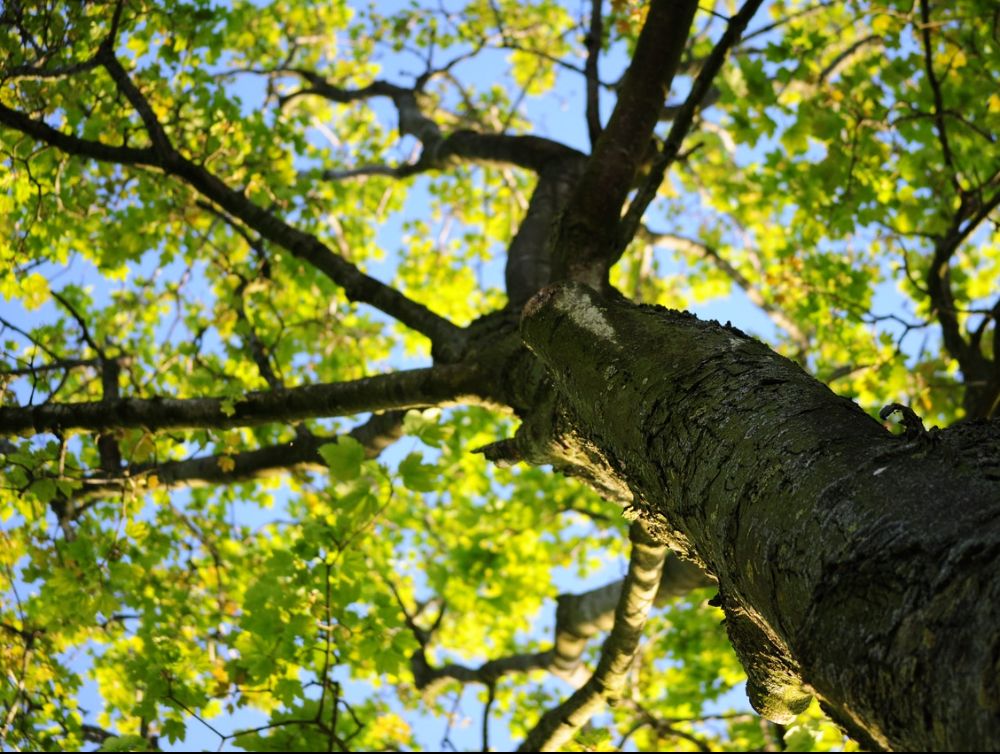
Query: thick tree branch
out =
(982, 385)
(558, 725)
(586, 236)
(690, 245)
(651, 383)
(579, 617)
(430, 386)
(530, 152)
(682, 124)
(529, 262)
(439, 151)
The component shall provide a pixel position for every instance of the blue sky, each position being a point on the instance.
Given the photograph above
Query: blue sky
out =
(557, 116)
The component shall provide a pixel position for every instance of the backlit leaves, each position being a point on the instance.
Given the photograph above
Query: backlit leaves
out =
(811, 188)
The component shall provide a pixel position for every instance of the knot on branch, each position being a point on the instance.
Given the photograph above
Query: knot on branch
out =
(504, 453)
(913, 425)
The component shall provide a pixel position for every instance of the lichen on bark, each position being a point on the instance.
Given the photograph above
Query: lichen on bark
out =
(839, 548)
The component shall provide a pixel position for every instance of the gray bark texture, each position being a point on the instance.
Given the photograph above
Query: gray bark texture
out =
(853, 563)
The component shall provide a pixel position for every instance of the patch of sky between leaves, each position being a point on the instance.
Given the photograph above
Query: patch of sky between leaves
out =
(557, 117)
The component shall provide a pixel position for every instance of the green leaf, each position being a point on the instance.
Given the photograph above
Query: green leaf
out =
(425, 426)
(344, 458)
(416, 475)
(45, 489)
(174, 729)
(125, 743)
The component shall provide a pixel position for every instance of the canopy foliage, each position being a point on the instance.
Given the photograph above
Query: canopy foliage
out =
(209, 207)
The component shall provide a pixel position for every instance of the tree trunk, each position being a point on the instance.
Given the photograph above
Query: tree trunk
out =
(854, 564)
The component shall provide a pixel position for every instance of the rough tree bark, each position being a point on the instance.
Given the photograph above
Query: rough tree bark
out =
(854, 564)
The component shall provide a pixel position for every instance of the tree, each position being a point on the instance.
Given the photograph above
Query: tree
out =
(227, 173)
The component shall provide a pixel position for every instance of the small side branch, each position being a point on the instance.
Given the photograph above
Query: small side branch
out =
(595, 40)
(932, 79)
(558, 725)
(302, 453)
(416, 388)
(682, 124)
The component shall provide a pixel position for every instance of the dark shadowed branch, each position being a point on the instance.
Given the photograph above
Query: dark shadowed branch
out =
(681, 125)
(587, 231)
(935, 85)
(397, 390)
(982, 382)
(438, 150)
(299, 454)
(595, 40)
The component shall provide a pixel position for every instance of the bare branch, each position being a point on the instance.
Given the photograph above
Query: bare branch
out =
(595, 40)
(681, 125)
(579, 617)
(428, 679)
(586, 235)
(558, 725)
(530, 152)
